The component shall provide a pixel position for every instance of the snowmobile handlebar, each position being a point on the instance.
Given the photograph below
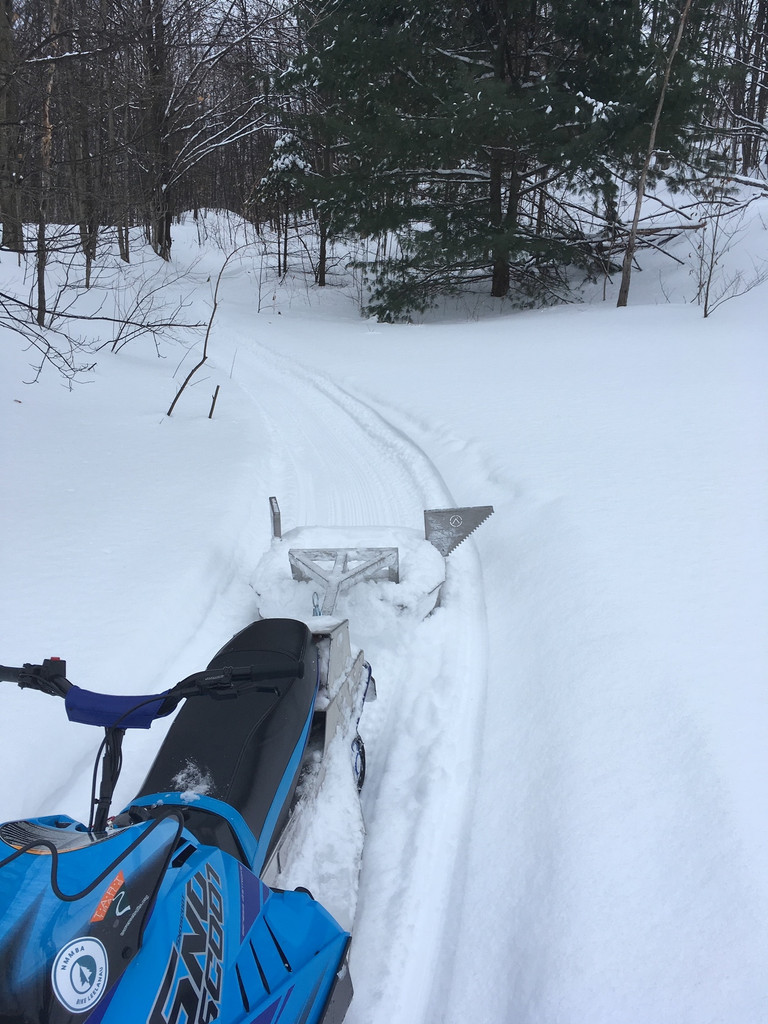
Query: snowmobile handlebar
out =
(120, 711)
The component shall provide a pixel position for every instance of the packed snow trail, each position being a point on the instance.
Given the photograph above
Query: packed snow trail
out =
(202, 522)
(422, 733)
(614, 862)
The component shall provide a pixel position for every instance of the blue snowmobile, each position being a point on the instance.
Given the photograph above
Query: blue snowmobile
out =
(159, 914)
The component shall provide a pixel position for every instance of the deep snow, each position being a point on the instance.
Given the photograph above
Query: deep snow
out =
(566, 799)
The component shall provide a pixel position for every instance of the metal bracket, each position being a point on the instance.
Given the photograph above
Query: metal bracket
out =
(338, 569)
(274, 511)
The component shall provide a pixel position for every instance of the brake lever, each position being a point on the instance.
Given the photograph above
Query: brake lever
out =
(226, 683)
(220, 685)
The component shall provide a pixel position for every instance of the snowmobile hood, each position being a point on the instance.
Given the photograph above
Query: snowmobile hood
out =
(75, 910)
(147, 925)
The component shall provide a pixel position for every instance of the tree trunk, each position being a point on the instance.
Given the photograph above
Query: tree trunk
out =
(500, 250)
(46, 151)
(285, 238)
(322, 257)
(83, 187)
(161, 224)
(157, 84)
(500, 274)
(13, 235)
(322, 220)
(41, 258)
(629, 253)
(123, 242)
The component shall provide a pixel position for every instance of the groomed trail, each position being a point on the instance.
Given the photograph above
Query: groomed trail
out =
(422, 735)
(133, 540)
(610, 864)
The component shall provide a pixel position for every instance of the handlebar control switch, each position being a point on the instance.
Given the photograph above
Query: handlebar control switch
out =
(50, 677)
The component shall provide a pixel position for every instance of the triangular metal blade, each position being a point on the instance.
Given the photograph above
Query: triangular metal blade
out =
(446, 528)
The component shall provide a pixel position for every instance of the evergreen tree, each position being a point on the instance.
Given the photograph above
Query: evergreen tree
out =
(452, 124)
(282, 189)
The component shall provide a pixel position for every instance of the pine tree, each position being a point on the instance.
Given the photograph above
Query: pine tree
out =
(452, 124)
(282, 187)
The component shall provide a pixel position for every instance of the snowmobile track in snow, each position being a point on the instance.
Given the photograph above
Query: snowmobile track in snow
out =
(422, 735)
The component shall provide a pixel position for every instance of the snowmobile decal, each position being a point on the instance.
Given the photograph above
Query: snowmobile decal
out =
(193, 974)
(80, 973)
(110, 893)
(253, 895)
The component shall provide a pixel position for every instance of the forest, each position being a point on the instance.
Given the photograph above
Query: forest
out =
(472, 145)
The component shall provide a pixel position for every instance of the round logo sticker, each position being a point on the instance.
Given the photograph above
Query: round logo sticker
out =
(80, 973)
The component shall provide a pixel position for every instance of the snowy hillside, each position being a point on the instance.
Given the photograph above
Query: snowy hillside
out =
(567, 795)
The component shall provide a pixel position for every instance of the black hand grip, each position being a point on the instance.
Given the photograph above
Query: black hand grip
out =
(10, 675)
(228, 681)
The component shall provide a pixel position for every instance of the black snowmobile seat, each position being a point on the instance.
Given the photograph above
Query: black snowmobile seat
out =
(238, 749)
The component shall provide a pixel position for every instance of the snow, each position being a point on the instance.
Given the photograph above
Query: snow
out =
(566, 801)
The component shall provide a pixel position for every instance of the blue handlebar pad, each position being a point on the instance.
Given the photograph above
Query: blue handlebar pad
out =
(108, 710)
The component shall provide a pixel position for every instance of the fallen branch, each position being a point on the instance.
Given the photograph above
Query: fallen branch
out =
(202, 360)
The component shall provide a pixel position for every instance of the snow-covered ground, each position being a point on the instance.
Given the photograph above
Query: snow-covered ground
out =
(567, 794)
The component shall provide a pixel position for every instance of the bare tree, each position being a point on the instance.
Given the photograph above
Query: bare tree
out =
(10, 214)
(629, 252)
